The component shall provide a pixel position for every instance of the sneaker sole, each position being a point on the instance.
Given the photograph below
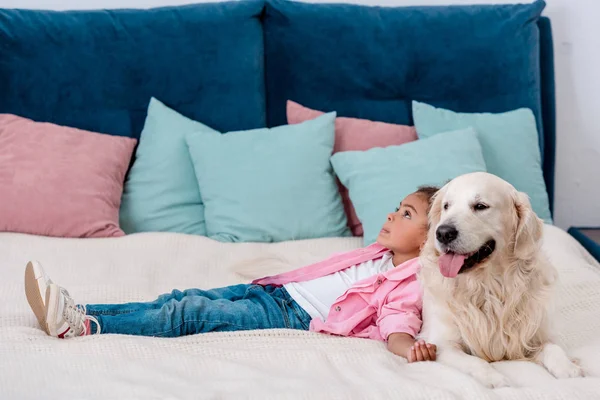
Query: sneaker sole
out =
(51, 308)
(34, 297)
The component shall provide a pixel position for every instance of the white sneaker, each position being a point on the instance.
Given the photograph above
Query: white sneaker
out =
(36, 282)
(64, 318)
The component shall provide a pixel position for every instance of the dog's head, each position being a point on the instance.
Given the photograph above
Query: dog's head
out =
(477, 217)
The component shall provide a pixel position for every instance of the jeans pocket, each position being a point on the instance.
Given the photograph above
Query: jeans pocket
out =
(284, 312)
(300, 315)
(294, 316)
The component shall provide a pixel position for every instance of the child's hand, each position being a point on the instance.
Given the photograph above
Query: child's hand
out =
(404, 345)
(421, 351)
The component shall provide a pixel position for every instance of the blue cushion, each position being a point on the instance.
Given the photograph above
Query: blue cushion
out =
(97, 70)
(370, 62)
(509, 141)
(378, 179)
(161, 192)
(270, 185)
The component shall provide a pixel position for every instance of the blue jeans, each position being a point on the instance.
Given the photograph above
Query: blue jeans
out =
(232, 308)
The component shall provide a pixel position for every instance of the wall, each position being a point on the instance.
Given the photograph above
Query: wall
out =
(576, 42)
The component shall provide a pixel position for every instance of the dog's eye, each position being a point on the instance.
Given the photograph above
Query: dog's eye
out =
(480, 207)
(445, 206)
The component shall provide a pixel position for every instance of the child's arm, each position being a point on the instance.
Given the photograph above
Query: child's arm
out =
(399, 321)
(404, 345)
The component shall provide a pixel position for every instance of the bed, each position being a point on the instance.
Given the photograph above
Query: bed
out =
(273, 364)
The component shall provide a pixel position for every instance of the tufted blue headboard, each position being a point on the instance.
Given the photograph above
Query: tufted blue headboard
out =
(232, 65)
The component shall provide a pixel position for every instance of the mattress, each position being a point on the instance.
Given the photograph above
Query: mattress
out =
(273, 364)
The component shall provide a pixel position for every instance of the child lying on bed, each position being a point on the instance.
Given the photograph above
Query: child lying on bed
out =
(369, 293)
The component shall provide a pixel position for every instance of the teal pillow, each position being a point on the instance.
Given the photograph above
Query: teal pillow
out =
(269, 185)
(378, 179)
(509, 142)
(161, 192)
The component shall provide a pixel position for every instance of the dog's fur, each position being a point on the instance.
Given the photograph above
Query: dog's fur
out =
(497, 310)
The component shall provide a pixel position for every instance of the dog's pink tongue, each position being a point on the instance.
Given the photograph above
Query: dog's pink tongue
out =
(450, 264)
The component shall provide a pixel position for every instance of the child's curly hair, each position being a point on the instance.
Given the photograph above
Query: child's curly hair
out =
(427, 192)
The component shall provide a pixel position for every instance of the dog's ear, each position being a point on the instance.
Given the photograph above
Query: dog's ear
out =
(529, 228)
(435, 211)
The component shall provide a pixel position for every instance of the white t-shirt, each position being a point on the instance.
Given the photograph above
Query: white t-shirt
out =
(318, 295)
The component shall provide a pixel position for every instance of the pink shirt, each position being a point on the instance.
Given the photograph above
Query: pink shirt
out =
(373, 308)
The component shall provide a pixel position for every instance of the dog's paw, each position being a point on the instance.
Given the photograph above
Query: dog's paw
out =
(558, 363)
(565, 369)
(491, 378)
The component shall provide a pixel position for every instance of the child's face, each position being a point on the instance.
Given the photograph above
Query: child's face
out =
(406, 229)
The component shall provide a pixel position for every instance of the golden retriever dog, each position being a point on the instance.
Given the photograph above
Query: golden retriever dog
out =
(486, 283)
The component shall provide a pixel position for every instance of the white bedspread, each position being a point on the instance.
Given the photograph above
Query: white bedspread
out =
(273, 364)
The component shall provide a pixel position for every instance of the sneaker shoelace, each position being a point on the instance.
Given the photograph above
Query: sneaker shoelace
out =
(76, 315)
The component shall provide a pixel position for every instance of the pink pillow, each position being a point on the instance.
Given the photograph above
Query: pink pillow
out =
(60, 181)
(352, 134)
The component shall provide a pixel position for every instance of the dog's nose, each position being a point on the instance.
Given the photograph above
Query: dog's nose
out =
(446, 234)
